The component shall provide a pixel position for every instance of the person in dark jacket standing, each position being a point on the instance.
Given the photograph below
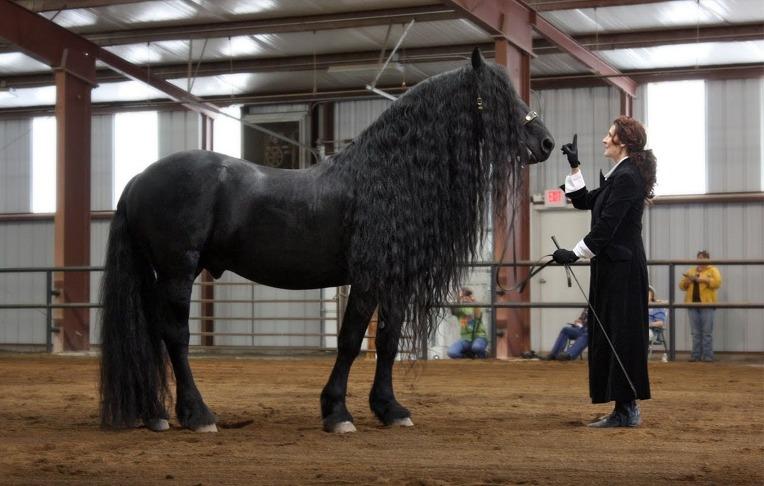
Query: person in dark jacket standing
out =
(618, 284)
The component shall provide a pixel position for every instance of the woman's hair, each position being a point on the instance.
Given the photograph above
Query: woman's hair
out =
(703, 254)
(631, 133)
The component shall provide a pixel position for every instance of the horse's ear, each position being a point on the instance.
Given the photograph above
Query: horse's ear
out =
(477, 59)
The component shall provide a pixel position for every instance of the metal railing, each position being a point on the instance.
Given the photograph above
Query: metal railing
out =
(671, 305)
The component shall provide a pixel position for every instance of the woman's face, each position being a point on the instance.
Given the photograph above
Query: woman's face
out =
(613, 149)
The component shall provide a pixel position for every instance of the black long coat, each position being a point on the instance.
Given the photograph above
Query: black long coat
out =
(618, 285)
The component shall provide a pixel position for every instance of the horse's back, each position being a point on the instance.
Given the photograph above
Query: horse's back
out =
(279, 227)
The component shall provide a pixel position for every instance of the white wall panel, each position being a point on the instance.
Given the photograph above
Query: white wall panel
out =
(585, 111)
(727, 231)
(15, 165)
(179, 130)
(99, 235)
(24, 244)
(291, 318)
(101, 168)
(352, 117)
(734, 135)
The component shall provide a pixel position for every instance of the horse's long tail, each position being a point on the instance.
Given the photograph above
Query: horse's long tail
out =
(133, 372)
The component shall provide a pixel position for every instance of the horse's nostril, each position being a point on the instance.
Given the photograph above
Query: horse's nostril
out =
(547, 144)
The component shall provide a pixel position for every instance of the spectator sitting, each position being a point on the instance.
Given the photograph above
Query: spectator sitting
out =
(575, 331)
(474, 341)
(656, 315)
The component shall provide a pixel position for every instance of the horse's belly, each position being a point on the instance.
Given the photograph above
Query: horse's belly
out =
(290, 266)
(292, 277)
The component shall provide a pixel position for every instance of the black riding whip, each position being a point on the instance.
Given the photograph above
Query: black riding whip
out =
(596, 318)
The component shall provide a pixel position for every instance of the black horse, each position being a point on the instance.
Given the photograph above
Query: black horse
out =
(396, 215)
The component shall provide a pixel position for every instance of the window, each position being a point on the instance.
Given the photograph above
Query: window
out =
(227, 133)
(135, 146)
(44, 164)
(676, 120)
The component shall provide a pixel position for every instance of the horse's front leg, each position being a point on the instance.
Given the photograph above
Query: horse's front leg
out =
(382, 398)
(334, 413)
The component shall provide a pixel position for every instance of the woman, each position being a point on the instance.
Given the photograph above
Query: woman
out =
(618, 285)
(700, 285)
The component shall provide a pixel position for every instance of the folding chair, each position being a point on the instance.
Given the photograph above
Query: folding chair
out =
(658, 338)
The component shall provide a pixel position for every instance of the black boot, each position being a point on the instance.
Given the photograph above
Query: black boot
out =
(625, 414)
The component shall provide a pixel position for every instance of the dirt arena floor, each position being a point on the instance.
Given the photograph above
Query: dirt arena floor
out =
(477, 422)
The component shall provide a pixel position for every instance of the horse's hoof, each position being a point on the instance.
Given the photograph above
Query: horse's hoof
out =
(157, 425)
(343, 427)
(207, 428)
(402, 422)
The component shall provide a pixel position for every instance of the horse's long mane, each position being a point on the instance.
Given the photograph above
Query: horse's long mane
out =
(422, 175)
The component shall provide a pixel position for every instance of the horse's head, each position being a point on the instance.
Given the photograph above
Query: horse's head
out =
(535, 142)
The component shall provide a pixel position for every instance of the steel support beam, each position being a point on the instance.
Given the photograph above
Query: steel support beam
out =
(51, 5)
(660, 37)
(276, 64)
(505, 19)
(627, 104)
(726, 71)
(72, 219)
(73, 59)
(508, 19)
(44, 40)
(514, 324)
(306, 23)
(597, 65)
(549, 5)
(735, 71)
(211, 30)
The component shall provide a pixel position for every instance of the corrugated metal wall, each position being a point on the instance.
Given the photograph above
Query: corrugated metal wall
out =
(101, 169)
(179, 130)
(585, 111)
(734, 155)
(676, 231)
(24, 244)
(734, 135)
(352, 117)
(727, 231)
(101, 189)
(16, 166)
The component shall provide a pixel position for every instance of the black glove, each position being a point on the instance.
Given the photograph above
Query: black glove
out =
(564, 257)
(571, 150)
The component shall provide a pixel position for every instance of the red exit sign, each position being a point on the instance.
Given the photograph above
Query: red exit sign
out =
(554, 197)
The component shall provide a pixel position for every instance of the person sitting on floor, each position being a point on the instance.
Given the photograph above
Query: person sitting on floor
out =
(473, 338)
(575, 331)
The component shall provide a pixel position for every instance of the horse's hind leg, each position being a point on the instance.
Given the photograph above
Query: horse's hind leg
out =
(382, 398)
(175, 294)
(334, 413)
